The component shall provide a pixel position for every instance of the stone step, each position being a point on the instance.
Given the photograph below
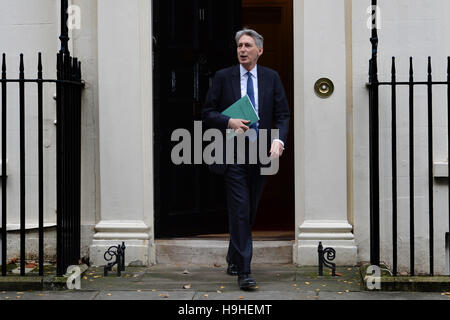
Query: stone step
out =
(210, 252)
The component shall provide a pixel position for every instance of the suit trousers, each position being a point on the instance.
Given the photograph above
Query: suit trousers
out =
(244, 185)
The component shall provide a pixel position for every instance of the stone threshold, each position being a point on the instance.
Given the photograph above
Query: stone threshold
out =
(213, 252)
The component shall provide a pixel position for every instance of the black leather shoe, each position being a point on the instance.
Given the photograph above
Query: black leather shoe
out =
(246, 282)
(232, 269)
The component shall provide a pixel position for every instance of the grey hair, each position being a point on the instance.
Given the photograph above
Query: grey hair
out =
(259, 39)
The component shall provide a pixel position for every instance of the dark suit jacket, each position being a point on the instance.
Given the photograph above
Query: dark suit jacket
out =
(273, 107)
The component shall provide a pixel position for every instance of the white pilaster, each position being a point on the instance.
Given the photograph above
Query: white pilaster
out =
(320, 131)
(125, 131)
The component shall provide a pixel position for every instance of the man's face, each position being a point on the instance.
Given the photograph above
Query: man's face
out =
(248, 52)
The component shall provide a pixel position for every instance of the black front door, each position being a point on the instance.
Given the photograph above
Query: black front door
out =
(192, 39)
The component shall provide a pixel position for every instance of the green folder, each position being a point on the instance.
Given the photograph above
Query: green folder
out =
(241, 109)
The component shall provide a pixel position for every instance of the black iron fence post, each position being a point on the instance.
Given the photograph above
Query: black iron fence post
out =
(22, 164)
(40, 167)
(64, 37)
(394, 167)
(430, 167)
(68, 119)
(374, 145)
(411, 166)
(4, 133)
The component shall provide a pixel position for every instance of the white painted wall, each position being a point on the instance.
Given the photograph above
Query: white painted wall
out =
(408, 28)
(29, 27)
(85, 48)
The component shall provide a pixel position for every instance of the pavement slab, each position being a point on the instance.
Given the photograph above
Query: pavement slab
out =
(194, 282)
(145, 295)
(255, 295)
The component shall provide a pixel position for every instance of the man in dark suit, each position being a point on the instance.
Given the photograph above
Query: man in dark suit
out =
(244, 182)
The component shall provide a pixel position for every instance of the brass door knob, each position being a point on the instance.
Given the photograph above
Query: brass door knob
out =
(324, 88)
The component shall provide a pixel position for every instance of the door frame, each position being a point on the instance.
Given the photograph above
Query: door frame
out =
(298, 53)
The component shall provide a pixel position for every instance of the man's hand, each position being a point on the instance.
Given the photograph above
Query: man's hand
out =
(238, 124)
(276, 150)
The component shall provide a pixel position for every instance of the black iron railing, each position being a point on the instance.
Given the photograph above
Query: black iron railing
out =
(68, 158)
(68, 121)
(373, 86)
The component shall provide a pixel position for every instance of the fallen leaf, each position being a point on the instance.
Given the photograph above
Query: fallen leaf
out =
(339, 274)
(349, 269)
(85, 278)
(324, 285)
(185, 272)
(187, 286)
(339, 293)
(347, 291)
(154, 290)
(307, 297)
(139, 291)
(19, 292)
(205, 295)
(317, 290)
(294, 285)
(217, 265)
(109, 294)
(241, 297)
(96, 277)
(164, 295)
(222, 287)
(218, 291)
(316, 297)
(307, 283)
